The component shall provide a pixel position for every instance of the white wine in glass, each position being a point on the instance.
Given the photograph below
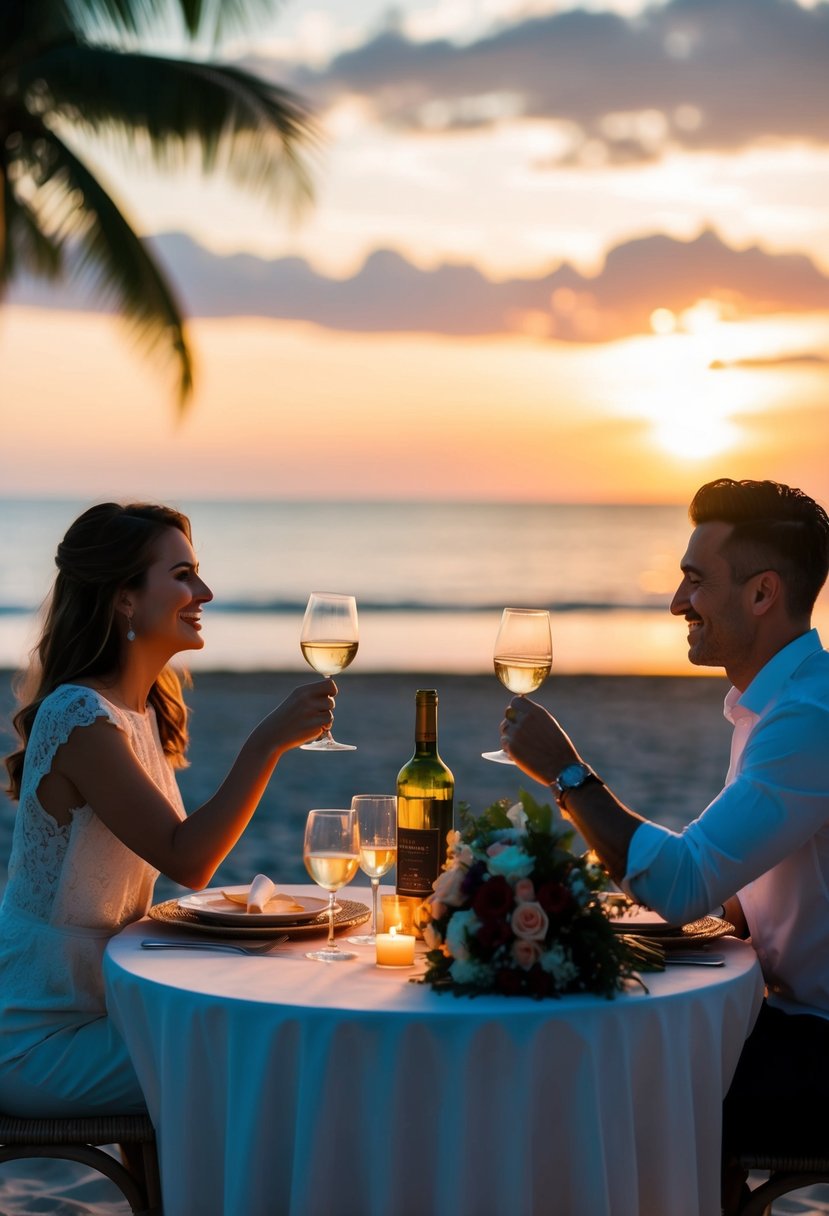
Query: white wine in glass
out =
(523, 656)
(331, 852)
(377, 827)
(328, 642)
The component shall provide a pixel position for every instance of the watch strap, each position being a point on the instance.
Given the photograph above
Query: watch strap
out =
(561, 786)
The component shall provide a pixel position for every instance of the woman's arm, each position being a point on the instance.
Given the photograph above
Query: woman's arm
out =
(101, 765)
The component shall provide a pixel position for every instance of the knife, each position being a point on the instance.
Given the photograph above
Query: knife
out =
(695, 959)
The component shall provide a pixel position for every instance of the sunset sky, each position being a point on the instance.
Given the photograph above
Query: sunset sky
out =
(558, 252)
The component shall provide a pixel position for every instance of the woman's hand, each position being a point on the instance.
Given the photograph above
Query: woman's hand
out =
(535, 740)
(302, 716)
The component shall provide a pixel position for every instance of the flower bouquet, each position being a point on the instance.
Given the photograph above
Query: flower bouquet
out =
(516, 912)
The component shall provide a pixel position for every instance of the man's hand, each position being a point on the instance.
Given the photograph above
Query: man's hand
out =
(535, 740)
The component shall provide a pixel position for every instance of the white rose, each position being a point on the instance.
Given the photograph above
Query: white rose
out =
(456, 933)
(511, 863)
(464, 855)
(557, 962)
(518, 817)
(453, 840)
(431, 937)
(470, 971)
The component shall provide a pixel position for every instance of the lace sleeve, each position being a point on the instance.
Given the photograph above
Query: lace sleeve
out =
(69, 706)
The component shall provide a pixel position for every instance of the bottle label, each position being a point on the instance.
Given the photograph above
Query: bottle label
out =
(418, 860)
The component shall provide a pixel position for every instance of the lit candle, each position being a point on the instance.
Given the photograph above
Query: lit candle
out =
(395, 949)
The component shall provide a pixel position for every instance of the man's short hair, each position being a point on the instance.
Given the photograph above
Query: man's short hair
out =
(775, 527)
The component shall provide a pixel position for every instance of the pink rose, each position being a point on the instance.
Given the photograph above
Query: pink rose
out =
(447, 886)
(524, 891)
(525, 953)
(530, 922)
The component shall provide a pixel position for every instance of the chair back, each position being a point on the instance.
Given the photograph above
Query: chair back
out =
(79, 1139)
(786, 1174)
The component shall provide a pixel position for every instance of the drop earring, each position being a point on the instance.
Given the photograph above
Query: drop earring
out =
(130, 630)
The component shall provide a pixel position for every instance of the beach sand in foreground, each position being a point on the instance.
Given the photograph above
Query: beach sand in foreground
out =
(660, 742)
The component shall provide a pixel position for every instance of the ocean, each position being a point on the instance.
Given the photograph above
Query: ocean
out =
(430, 580)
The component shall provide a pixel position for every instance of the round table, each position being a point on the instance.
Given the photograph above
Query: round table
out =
(285, 1087)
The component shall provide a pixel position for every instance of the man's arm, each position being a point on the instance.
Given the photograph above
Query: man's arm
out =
(542, 749)
(537, 743)
(733, 912)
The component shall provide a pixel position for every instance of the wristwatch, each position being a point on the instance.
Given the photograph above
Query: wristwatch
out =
(573, 777)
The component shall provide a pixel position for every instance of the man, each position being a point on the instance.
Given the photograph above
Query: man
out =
(756, 560)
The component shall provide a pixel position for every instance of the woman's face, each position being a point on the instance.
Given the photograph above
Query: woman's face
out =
(166, 610)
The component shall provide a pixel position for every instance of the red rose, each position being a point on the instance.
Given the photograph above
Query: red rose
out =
(554, 898)
(492, 934)
(508, 982)
(493, 899)
(540, 982)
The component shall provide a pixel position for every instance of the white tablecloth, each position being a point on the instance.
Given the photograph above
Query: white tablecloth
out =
(285, 1087)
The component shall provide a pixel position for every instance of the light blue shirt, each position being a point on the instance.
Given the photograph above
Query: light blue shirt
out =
(766, 835)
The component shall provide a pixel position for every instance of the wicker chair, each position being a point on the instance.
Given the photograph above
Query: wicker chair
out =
(78, 1140)
(786, 1174)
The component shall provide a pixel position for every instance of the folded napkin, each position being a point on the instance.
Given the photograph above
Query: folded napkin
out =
(260, 892)
(262, 896)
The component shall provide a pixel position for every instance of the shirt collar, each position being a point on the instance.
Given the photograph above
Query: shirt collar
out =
(770, 679)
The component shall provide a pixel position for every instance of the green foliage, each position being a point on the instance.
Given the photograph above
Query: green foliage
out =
(61, 85)
(517, 912)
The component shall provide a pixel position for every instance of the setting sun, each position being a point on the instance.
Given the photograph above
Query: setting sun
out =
(692, 440)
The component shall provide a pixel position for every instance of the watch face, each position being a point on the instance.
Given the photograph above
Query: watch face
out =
(572, 775)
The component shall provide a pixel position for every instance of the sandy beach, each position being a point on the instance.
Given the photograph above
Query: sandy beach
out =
(661, 742)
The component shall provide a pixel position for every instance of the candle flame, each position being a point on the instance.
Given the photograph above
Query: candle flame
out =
(394, 930)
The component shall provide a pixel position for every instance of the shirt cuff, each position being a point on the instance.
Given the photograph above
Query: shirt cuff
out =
(645, 844)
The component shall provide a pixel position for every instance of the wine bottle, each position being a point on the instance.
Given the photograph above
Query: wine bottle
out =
(425, 790)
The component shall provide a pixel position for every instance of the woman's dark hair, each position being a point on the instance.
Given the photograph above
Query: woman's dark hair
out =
(775, 527)
(108, 548)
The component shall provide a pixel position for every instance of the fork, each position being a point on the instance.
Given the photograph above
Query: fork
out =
(226, 947)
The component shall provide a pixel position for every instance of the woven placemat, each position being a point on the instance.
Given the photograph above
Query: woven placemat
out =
(349, 914)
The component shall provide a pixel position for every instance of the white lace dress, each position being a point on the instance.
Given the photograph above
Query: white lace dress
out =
(70, 888)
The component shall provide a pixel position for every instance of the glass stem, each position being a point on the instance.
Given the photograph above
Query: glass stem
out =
(332, 945)
(325, 737)
(375, 883)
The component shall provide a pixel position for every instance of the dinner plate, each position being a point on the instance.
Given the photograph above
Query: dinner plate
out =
(642, 921)
(695, 933)
(211, 905)
(348, 916)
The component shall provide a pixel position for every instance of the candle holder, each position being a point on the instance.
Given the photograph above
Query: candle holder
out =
(400, 912)
(395, 949)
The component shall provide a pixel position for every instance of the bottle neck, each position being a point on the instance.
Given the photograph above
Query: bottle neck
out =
(426, 727)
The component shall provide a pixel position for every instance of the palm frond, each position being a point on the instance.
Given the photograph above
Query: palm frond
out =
(173, 110)
(25, 245)
(79, 218)
(213, 19)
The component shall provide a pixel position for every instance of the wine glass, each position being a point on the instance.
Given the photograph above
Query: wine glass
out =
(377, 825)
(523, 656)
(331, 852)
(328, 642)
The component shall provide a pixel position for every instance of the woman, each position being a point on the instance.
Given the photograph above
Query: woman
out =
(103, 726)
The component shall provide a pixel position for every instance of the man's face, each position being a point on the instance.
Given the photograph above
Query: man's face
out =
(715, 605)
